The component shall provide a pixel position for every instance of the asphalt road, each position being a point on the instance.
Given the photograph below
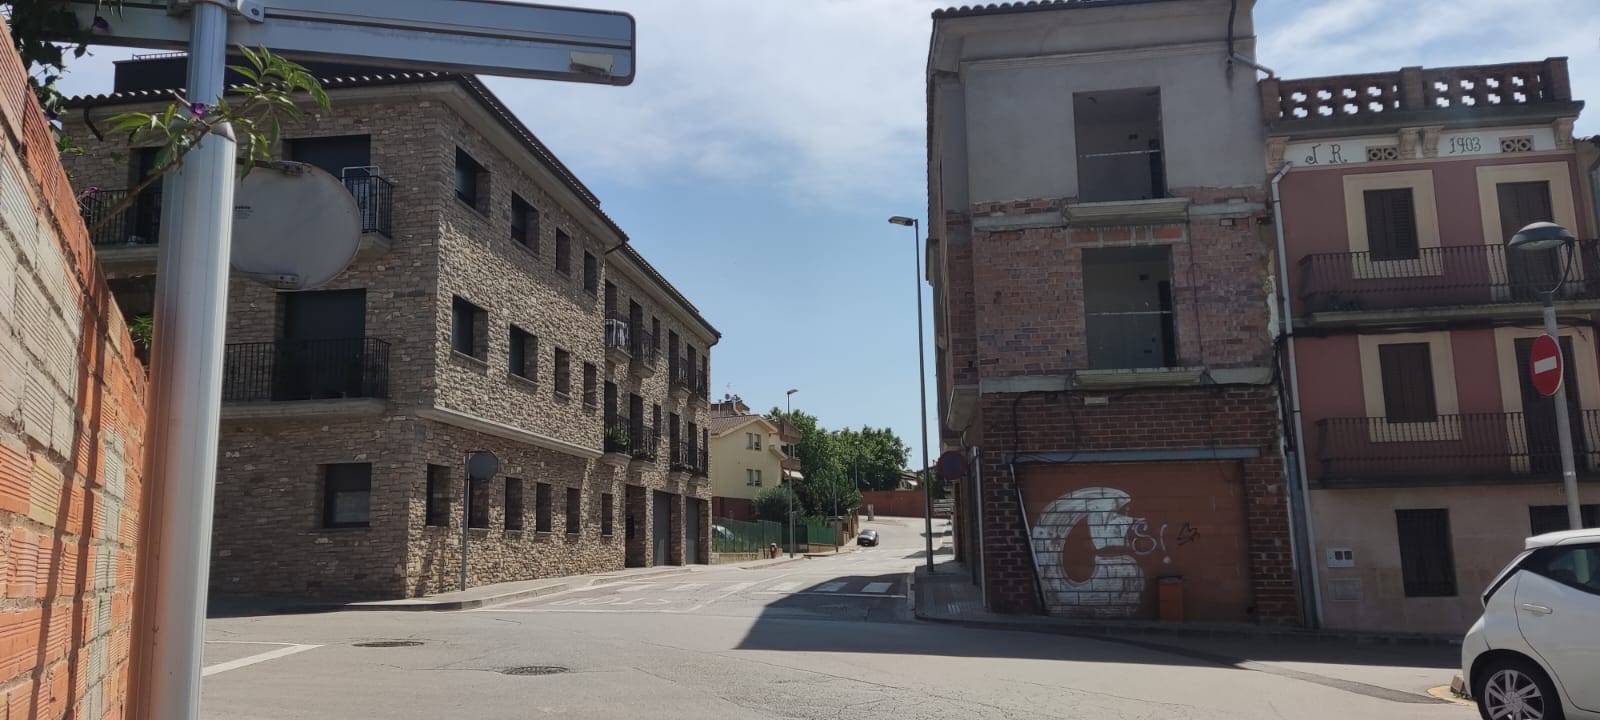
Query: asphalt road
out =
(821, 638)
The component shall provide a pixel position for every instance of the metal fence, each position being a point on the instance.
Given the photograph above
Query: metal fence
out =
(306, 370)
(1493, 445)
(1440, 276)
(738, 536)
(137, 224)
(375, 199)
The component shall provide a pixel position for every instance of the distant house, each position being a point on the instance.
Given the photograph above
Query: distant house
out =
(748, 454)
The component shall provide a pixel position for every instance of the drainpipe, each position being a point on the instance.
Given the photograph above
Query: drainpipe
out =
(1594, 189)
(1301, 536)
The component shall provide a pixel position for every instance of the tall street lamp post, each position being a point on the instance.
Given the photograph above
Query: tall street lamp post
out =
(1539, 237)
(922, 379)
(788, 409)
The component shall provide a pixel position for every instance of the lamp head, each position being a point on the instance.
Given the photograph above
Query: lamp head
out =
(791, 392)
(1540, 236)
(902, 220)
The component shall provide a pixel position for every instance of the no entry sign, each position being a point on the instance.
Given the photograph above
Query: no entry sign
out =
(1544, 365)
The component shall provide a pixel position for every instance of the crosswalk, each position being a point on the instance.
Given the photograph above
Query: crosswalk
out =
(675, 596)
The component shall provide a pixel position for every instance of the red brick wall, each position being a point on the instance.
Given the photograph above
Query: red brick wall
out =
(895, 503)
(733, 508)
(1243, 416)
(71, 439)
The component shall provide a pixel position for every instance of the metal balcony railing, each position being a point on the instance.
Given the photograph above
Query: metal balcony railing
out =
(375, 199)
(306, 370)
(645, 443)
(702, 466)
(620, 435)
(1444, 276)
(137, 224)
(1372, 450)
(618, 333)
(644, 347)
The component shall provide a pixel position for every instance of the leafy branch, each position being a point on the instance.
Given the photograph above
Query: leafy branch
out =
(256, 120)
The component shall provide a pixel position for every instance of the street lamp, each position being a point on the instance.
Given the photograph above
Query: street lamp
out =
(922, 379)
(788, 411)
(1538, 237)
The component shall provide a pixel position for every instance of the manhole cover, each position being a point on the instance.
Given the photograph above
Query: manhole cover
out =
(535, 670)
(388, 643)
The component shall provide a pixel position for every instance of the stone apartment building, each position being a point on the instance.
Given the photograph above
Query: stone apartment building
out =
(493, 306)
(1429, 455)
(1102, 302)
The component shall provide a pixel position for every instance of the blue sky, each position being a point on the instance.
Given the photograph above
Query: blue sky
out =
(763, 145)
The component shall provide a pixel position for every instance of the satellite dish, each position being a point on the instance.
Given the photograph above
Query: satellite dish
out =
(482, 465)
(294, 226)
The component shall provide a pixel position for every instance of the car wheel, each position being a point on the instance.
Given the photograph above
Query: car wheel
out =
(1516, 689)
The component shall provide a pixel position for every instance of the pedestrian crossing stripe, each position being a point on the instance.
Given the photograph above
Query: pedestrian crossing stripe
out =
(785, 586)
(876, 587)
(829, 587)
(686, 587)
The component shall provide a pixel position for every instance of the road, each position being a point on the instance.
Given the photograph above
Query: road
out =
(820, 638)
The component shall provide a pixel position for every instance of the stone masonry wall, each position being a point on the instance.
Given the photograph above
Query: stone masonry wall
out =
(72, 439)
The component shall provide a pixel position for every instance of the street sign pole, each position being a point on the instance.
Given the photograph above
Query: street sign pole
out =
(186, 395)
(1569, 473)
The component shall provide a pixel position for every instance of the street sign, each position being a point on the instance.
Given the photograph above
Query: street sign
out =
(491, 37)
(952, 465)
(1545, 365)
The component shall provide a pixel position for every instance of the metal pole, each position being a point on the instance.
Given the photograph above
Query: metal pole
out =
(466, 513)
(788, 409)
(922, 379)
(186, 396)
(1569, 473)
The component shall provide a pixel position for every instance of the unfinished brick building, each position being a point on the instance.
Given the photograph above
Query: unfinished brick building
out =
(1101, 273)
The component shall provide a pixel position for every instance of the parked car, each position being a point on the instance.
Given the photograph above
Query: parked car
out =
(1535, 652)
(867, 538)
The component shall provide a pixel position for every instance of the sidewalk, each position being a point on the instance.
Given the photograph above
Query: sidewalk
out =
(475, 597)
(1399, 668)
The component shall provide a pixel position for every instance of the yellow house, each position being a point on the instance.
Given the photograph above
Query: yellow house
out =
(747, 456)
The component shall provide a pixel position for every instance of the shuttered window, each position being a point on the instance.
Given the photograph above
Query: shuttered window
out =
(1407, 370)
(1427, 563)
(1553, 518)
(1391, 224)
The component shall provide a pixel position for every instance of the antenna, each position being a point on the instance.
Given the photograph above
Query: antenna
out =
(295, 227)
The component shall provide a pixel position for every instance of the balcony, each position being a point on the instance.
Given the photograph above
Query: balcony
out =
(310, 372)
(1418, 96)
(618, 440)
(644, 447)
(1442, 283)
(125, 240)
(646, 353)
(619, 346)
(702, 466)
(1468, 449)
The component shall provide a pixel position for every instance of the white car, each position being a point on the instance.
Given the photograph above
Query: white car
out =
(1535, 653)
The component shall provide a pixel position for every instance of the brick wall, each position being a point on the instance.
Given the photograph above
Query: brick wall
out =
(71, 440)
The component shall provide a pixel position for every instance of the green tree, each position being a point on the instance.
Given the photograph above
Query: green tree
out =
(773, 504)
(873, 457)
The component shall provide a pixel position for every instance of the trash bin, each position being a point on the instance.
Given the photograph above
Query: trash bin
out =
(1169, 598)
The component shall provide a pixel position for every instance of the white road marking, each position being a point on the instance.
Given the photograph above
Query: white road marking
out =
(686, 587)
(636, 587)
(877, 587)
(286, 650)
(784, 588)
(835, 594)
(832, 587)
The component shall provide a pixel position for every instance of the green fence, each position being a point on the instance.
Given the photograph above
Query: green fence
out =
(738, 536)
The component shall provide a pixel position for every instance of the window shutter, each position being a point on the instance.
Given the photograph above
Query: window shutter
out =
(1391, 224)
(1407, 371)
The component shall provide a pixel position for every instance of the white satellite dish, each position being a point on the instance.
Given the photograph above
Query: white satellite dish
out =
(295, 227)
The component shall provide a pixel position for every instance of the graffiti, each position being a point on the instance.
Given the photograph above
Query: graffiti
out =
(1115, 587)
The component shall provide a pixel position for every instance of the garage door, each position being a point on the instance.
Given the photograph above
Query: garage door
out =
(1105, 534)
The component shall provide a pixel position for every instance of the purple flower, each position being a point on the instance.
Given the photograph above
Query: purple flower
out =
(51, 115)
(100, 24)
(198, 109)
(89, 191)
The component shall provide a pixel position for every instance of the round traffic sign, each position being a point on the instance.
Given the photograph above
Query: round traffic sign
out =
(952, 465)
(1544, 365)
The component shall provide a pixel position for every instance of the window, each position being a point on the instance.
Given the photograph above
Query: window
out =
(1127, 306)
(514, 503)
(574, 516)
(523, 359)
(607, 514)
(655, 333)
(1407, 370)
(655, 422)
(752, 477)
(1574, 565)
(563, 253)
(1118, 136)
(1391, 224)
(541, 507)
(563, 372)
(1427, 562)
(478, 511)
(439, 495)
(470, 179)
(524, 223)
(590, 381)
(591, 273)
(468, 325)
(1553, 518)
(756, 438)
(346, 495)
